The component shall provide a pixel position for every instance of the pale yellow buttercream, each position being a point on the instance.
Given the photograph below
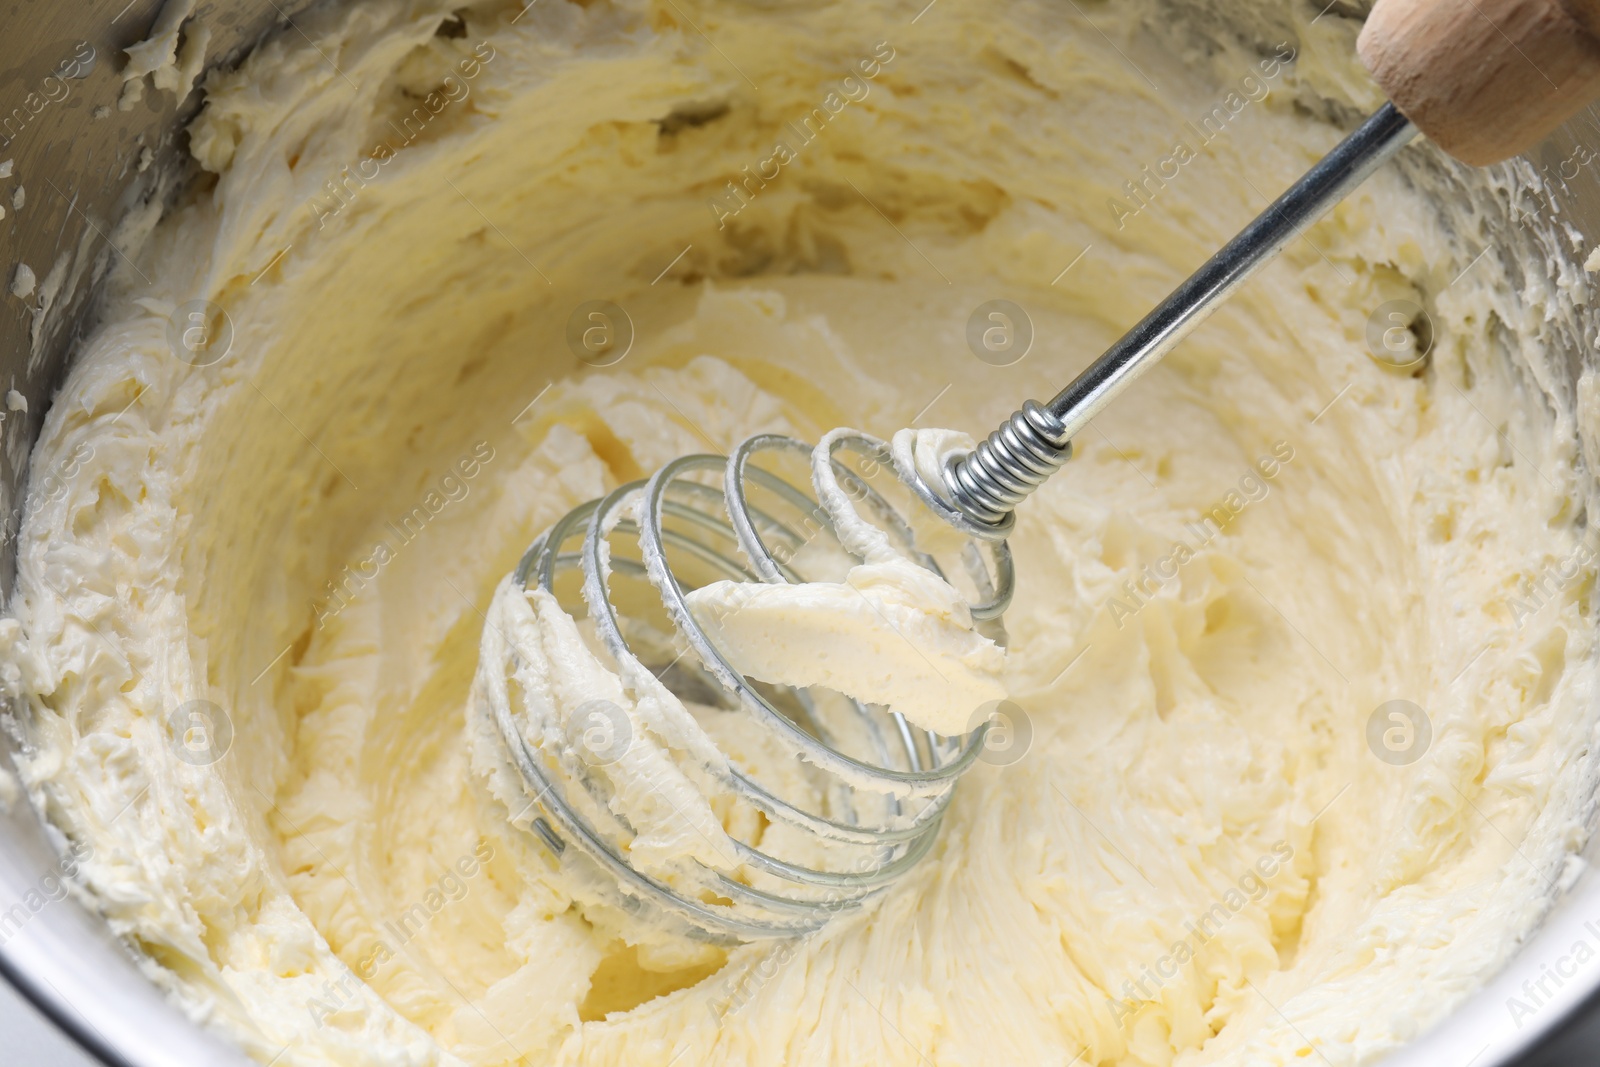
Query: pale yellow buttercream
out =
(1198, 857)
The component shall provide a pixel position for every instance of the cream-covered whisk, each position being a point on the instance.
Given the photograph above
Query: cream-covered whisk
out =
(862, 791)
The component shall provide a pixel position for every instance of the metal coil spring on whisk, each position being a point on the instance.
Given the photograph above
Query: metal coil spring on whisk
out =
(991, 480)
(878, 816)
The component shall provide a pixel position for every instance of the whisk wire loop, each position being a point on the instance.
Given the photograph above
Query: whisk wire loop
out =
(882, 815)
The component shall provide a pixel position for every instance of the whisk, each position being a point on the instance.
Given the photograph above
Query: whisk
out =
(686, 533)
(876, 788)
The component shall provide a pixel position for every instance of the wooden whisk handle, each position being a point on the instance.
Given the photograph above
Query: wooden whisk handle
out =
(1485, 79)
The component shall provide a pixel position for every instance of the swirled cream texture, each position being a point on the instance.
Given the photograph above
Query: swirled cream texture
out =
(1223, 841)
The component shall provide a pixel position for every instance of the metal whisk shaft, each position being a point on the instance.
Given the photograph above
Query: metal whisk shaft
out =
(992, 479)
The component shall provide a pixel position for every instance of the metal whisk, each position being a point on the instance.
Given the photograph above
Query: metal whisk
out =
(877, 788)
(881, 788)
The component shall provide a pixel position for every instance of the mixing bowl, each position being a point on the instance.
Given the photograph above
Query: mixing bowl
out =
(85, 162)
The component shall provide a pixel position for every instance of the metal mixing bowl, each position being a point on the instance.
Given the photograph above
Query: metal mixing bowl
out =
(84, 162)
